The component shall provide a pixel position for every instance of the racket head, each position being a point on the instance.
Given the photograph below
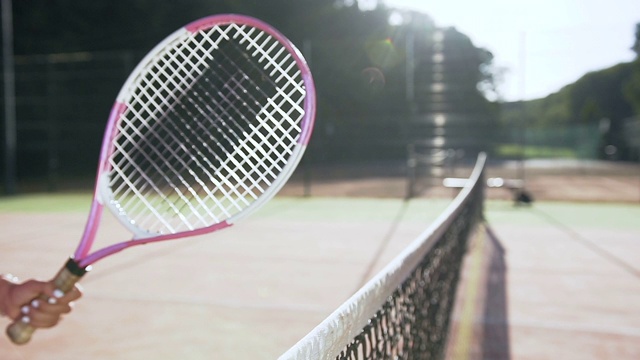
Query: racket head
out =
(207, 128)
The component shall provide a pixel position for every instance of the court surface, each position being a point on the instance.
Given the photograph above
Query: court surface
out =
(564, 280)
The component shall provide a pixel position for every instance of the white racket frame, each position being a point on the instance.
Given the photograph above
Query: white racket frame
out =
(102, 194)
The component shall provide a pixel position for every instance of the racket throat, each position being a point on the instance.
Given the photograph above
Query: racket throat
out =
(73, 271)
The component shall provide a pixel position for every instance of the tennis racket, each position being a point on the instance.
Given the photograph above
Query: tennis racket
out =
(206, 129)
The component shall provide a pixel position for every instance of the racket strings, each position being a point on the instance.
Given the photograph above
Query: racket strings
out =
(160, 151)
(233, 128)
(209, 128)
(163, 70)
(239, 133)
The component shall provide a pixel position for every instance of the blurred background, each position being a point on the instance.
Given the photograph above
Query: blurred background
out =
(402, 94)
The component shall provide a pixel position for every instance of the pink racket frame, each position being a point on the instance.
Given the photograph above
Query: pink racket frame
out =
(82, 255)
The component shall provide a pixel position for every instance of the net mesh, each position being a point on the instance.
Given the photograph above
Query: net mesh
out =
(404, 312)
(211, 122)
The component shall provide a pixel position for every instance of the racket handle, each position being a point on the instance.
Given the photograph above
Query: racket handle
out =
(20, 332)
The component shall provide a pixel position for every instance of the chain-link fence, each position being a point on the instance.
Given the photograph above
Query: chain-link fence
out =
(62, 104)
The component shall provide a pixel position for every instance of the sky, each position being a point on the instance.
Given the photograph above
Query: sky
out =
(542, 45)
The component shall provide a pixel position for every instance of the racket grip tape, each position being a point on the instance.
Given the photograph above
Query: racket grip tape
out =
(20, 332)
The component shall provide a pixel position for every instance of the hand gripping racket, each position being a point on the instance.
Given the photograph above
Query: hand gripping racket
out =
(206, 129)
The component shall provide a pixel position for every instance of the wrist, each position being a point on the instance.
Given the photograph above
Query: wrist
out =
(6, 281)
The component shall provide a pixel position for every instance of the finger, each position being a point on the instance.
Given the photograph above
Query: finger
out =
(42, 314)
(72, 295)
(39, 319)
(57, 295)
(54, 306)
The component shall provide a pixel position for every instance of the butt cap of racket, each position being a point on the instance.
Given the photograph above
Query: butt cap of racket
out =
(20, 332)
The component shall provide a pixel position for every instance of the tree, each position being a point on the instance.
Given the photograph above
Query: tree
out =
(632, 87)
(636, 44)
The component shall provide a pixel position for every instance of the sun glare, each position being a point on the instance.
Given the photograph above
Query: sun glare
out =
(396, 19)
(367, 5)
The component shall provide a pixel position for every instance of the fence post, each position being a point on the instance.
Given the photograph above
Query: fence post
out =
(9, 98)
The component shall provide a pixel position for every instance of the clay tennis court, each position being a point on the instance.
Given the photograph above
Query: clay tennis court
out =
(558, 279)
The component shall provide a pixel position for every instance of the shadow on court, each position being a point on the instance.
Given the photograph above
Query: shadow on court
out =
(480, 322)
(495, 342)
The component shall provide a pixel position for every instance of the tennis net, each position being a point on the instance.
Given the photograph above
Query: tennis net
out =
(404, 311)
